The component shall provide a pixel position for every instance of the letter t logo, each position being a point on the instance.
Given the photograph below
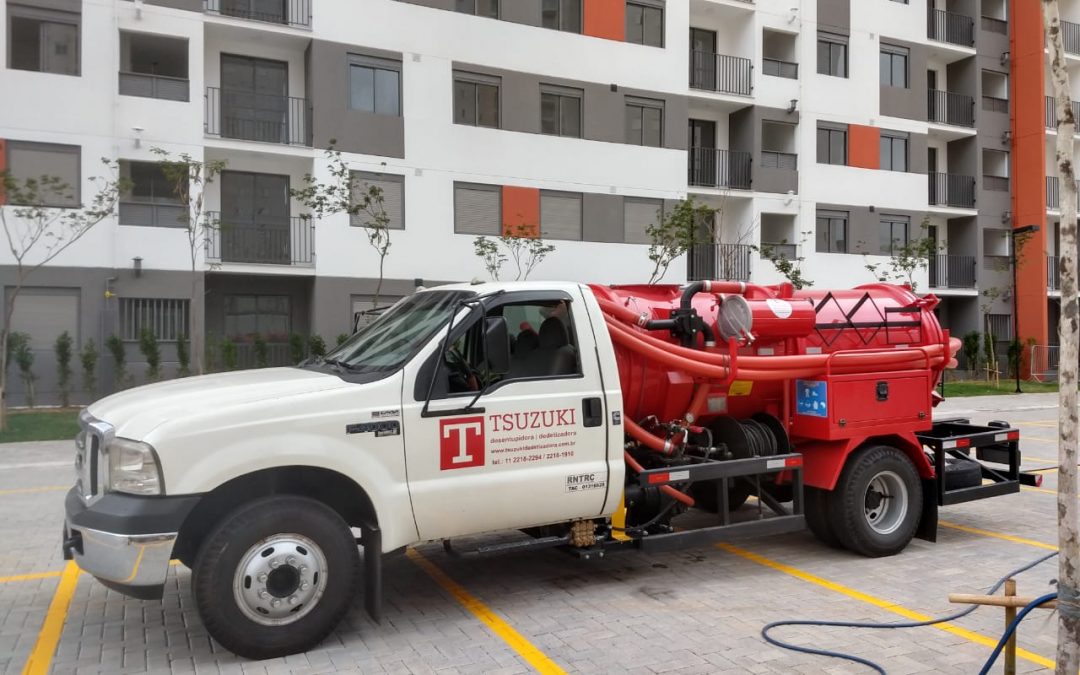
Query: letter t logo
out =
(461, 443)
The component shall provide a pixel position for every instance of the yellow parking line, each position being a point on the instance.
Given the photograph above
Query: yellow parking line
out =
(997, 535)
(29, 577)
(42, 655)
(536, 658)
(969, 635)
(1037, 423)
(46, 488)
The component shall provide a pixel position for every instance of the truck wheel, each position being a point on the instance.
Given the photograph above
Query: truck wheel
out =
(705, 497)
(962, 473)
(816, 506)
(877, 503)
(276, 576)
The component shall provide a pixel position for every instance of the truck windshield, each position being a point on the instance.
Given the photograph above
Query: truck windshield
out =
(388, 342)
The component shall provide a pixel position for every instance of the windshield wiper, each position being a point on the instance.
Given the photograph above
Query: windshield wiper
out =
(339, 364)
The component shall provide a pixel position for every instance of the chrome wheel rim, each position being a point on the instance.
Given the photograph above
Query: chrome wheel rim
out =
(280, 579)
(885, 504)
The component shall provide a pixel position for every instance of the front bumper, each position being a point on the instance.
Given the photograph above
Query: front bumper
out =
(125, 541)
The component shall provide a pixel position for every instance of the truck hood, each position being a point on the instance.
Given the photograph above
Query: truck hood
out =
(136, 412)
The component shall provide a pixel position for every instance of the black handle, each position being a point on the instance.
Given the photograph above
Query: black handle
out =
(592, 412)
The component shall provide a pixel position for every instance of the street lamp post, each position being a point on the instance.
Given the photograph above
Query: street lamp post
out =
(1016, 232)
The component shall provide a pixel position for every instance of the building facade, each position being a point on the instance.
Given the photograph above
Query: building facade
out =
(833, 131)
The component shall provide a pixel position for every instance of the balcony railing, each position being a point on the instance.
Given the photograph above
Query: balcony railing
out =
(719, 261)
(946, 107)
(778, 68)
(954, 190)
(721, 73)
(1051, 112)
(1053, 193)
(266, 241)
(779, 160)
(149, 214)
(995, 104)
(995, 183)
(992, 25)
(286, 12)
(711, 167)
(952, 271)
(258, 117)
(787, 251)
(957, 29)
(1053, 273)
(154, 86)
(1070, 35)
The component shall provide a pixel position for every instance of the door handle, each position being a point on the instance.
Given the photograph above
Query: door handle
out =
(592, 412)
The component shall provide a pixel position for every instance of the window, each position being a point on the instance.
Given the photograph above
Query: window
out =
(644, 122)
(560, 111)
(477, 209)
(895, 231)
(645, 22)
(560, 215)
(894, 66)
(1001, 327)
(152, 200)
(266, 315)
(166, 317)
(561, 15)
(488, 8)
(153, 66)
(476, 100)
(832, 231)
(832, 144)
(638, 215)
(375, 85)
(43, 40)
(392, 190)
(832, 54)
(45, 174)
(894, 151)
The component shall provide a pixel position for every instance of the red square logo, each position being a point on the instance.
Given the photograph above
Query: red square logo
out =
(461, 442)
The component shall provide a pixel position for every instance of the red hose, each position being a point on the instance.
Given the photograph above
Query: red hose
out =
(666, 489)
(697, 403)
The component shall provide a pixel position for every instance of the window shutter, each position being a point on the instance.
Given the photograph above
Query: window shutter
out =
(476, 210)
(560, 216)
(638, 214)
(34, 160)
(393, 195)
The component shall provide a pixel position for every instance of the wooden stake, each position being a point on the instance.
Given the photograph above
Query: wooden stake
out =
(1010, 615)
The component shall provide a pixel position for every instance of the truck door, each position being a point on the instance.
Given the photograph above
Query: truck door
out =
(532, 449)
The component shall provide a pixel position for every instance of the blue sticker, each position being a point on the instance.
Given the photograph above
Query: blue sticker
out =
(811, 398)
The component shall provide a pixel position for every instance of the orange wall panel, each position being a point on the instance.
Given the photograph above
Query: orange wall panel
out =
(605, 19)
(864, 147)
(521, 207)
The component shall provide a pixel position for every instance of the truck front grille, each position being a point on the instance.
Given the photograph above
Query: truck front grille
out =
(91, 461)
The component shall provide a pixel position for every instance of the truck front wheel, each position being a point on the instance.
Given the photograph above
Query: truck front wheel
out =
(276, 576)
(877, 503)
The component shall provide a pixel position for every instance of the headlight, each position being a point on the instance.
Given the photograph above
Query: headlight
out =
(133, 468)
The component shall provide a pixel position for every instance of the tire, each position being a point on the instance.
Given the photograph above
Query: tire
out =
(876, 506)
(962, 473)
(269, 551)
(816, 503)
(705, 497)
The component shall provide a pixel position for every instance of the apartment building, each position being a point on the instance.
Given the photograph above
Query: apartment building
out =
(830, 130)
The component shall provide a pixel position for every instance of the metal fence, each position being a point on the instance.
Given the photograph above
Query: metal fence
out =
(779, 160)
(719, 261)
(957, 29)
(288, 12)
(1070, 35)
(155, 86)
(1051, 112)
(721, 73)
(1053, 193)
(712, 167)
(946, 107)
(779, 68)
(258, 117)
(268, 241)
(1053, 273)
(952, 271)
(955, 190)
(1044, 360)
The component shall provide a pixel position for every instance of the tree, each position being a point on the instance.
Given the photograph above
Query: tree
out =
(1068, 637)
(24, 359)
(183, 356)
(148, 346)
(970, 349)
(63, 350)
(228, 354)
(906, 260)
(346, 192)
(674, 233)
(119, 356)
(521, 243)
(189, 178)
(37, 229)
(261, 351)
(789, 267)
(88, 358)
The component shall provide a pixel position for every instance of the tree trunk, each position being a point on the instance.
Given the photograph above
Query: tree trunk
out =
(1068, 638)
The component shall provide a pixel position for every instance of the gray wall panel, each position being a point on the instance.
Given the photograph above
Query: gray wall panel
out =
(190, 5)
(435, 4)
(834, 15)
(917, 154)
(602, 217)
(62, 5)
(911, 102)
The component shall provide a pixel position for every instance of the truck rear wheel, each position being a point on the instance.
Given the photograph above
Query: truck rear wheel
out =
(816, 503)
(877, 503)
(276, 576)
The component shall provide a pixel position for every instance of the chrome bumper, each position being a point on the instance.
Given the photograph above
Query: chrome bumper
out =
(140, 560)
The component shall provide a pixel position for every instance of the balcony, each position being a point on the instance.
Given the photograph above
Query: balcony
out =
(265, 241)
(153, 66)
(731, 262)
(1070, 35)
(952, 271)
(952, 190)
(154, 86)
(994, 25)
(946, 107)
(296, 13)
(1053, 273)
(950, 27)
(774, 250)
(1051, 112)
(715, 168)
(265, 118)
(721, 73)
(1053, 193)
(995, 183)
(995, 104)
(778, 68)
(151, 214)
(779, 160)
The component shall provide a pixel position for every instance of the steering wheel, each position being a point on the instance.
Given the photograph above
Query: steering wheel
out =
(457, 362)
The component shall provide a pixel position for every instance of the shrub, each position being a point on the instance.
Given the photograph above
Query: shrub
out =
(972, 344)
(296, 347)
(88, 357)
(341, 338)
(262, 351)
(183, 357)
(316, 347)
(63, 350)
(119, 356)
(211, 353)
(228, 354)
(148, 346)
(19, 345)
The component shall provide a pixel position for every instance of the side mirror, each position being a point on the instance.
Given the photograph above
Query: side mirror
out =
(497, 345)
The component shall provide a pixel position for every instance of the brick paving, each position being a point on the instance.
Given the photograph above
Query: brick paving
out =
(689, 611)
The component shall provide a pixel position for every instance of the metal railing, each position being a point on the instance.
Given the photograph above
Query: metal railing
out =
(995, 183)
(721, 73)
(155, 86)
(149, 214)
(992, 25)
(771, 250)
(1070, 35)
(947, 189)
(780, 68)
(951, 271)
(1053, 193)
(946, 107)
(732, 262)
(996, 263)
(286, 12)
(1044, 362)
(995, 104)
(957, 29)
(779, 160)
(1051, 112)
(1053, 273)
(258, 117)
(712, 167)
(266, 241)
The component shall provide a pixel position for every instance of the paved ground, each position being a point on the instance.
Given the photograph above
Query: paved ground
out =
(693, 611)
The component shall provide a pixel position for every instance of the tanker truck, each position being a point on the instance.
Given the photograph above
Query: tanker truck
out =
(588, 418)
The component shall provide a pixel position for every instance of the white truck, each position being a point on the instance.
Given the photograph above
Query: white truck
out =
(260, 480)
